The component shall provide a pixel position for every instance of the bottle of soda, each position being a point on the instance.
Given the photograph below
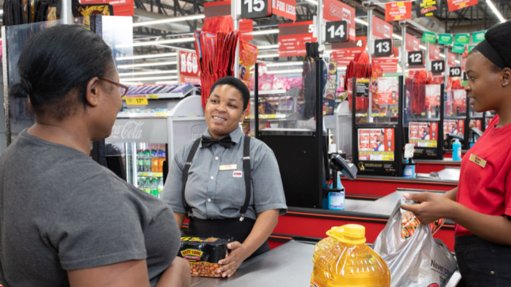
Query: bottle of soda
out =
(147, 160)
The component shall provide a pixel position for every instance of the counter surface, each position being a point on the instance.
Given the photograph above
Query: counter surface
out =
(289, 264)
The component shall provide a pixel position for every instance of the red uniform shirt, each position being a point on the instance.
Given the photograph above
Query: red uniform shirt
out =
(485, 178)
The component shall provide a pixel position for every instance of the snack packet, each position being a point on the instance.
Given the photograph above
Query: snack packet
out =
(203, 254)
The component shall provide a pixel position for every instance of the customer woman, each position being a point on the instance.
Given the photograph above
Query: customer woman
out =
(227, 183)
(64, 219)
(481, 204)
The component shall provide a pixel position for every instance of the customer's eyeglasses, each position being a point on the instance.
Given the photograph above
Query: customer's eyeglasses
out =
(122, 88)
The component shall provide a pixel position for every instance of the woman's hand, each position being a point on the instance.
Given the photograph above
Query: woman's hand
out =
(430, 206)
(233, 260)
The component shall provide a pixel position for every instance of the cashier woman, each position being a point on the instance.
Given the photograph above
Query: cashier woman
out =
(481, 204)
(221, 196)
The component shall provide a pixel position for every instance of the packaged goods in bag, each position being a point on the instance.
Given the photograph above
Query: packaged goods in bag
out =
(414, 257)
(203, 254)
(343, 259)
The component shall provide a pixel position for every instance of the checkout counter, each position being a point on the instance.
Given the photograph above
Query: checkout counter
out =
(290, 265)
(312, 223)
(374, 187)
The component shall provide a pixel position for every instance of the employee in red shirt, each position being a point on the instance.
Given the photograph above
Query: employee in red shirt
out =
(481, 203)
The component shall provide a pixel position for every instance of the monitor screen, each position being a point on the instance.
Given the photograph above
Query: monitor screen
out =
(423, 134)
(376, 144)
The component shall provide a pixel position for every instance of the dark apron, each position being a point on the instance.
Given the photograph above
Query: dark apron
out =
(232, 229)
(482, 263)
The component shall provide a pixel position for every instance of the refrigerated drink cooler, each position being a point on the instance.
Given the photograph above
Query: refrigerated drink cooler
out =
(143, 140)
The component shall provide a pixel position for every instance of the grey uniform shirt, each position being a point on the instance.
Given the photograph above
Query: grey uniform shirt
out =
(60, 211)
(216, 187)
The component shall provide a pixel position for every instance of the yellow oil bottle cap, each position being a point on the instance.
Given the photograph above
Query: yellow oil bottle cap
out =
(353, 234)
(335, 232)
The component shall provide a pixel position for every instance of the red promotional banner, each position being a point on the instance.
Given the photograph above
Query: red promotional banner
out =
(188, 67)
(451, 59)
(376, 144)
(345, 54)
(387, 64)
(292, 38)
(412, 43)
(284, 8)
(217, 8)
(381, 29)
(121, 7)
(334, 10)
(454, 5)
(397, 11)
(434, 52)
(246, 26)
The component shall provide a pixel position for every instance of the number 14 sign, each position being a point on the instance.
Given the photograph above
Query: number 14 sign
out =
(336, 32)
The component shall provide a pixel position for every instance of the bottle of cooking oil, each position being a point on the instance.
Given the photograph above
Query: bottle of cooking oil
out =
(343, 259)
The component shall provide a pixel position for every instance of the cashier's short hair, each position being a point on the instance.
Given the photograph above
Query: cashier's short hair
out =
(55, 66)
(236, 83)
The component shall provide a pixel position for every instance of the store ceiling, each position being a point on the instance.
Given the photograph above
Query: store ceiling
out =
(470, 19)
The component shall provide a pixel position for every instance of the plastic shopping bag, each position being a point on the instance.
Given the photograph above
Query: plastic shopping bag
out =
(418, 260)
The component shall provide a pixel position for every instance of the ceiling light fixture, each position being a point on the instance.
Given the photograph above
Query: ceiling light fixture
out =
(123, 80)
(268, 47)
(169, 20)
(284, 64)
(290, 71)
(158, 42)
(128, 66)
(159, 72)
(274, 55)
(148, 56)
(495, 11)
(263, 32)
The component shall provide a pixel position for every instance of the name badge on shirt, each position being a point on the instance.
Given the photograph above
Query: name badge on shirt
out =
(228, 167)
(237, 173)
(477, 160)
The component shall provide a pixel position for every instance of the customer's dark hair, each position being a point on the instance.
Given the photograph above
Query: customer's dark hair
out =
(57, 61)
(236, 83)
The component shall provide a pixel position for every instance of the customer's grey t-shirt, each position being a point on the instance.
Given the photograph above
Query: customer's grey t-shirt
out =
(60, 211)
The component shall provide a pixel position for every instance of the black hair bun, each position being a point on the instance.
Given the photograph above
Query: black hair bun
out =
(23, 89)
(499, 36)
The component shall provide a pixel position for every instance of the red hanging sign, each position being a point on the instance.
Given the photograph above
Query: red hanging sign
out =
(334, 10)
(346, 53)
(451, 59)
(412, 43)
(293, 36)
(188, 67)
(387, 64)
(454, 5)
(398, 11)
(284, 8)
(434, 52)
(381, 29)
(246, 26)
(121, 7)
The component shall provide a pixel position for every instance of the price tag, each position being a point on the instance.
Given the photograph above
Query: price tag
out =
(416, 58)
(382, 48)
(254, 9)
(455, 72)
(437, 67)
(336, 31)
(136, 101)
